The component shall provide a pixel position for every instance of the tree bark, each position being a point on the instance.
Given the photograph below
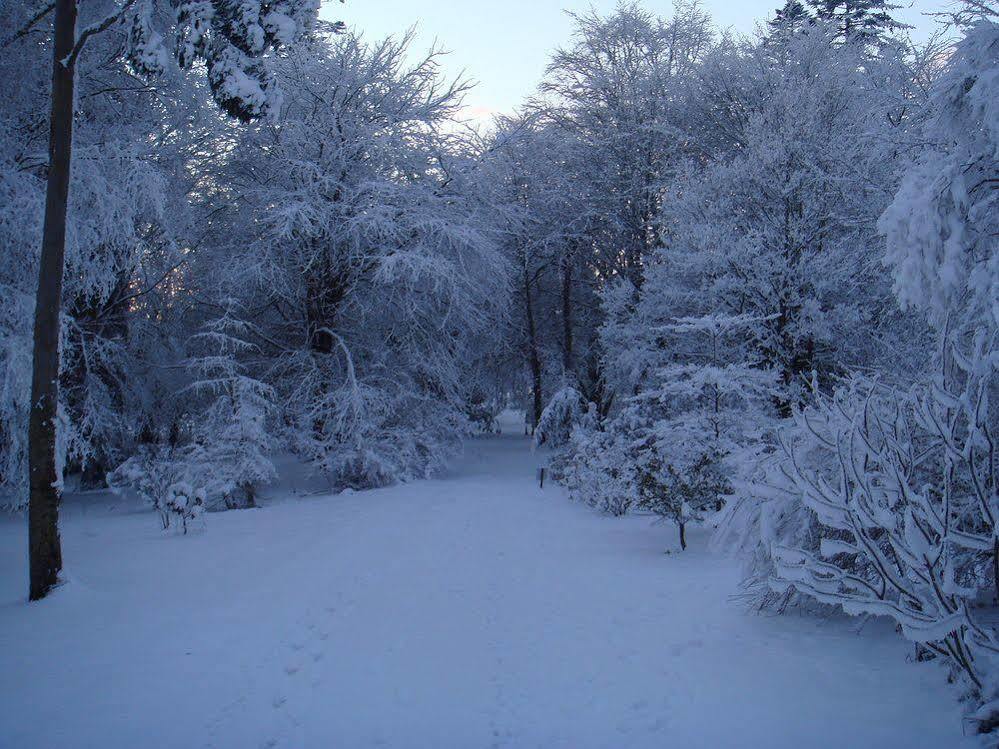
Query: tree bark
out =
(995, 566)
(567, 358)
(44, 551)
(683, 536)
(533, 353)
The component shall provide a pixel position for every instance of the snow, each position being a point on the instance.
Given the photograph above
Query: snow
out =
(472, 611)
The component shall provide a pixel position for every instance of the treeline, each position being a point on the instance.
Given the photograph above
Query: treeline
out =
(324, 279)
(747, 278)
(756, 281)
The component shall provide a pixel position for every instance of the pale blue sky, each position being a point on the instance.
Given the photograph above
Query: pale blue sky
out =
(504, 44)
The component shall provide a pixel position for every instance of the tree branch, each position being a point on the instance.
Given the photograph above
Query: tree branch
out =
(96, 28)
(26, 29)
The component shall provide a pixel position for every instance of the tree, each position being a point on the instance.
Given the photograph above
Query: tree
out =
(536, 201)
(135, 149)
(713, 401)
(779, 229)
(791, 17)
(898, 487)
(233, 44)
(863, 21)
(680, 498)
(365, 279)
(615, 88)
(233, 428)
(609, 121)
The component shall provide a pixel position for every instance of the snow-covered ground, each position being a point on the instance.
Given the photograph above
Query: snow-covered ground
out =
(473, 611)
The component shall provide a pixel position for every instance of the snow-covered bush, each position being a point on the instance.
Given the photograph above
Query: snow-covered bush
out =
(164, 476)
(889, 496)
(482, 408)
(376, 438)
(565, 412)
(184, 506)
(596, 469)
(679, 496)
(902, 488)
(592, 463)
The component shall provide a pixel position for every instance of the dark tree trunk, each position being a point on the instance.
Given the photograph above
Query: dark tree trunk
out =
(249, 494)
(533, 354)
(567, 359)
(94, 474)
(995, 566)
(683, 536)
(44, 552)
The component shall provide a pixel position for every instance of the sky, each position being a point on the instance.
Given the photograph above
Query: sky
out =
(504, 45)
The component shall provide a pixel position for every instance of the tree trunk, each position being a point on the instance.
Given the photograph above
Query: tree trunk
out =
(995, 565)
(44, 552)
(567, 364)
(249, 494)
(93, 474)
(533, 354)
(683, 536)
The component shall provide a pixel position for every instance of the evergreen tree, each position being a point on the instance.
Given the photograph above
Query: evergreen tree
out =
(232, 429)
(789, 18)
(864, 21)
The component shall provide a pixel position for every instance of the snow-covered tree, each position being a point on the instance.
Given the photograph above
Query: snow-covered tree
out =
(124, 233)
(942, 226)
(680, 496)
(567, 411)
(863, 21)
(791, 17)
(597, 468)
(370, 281)
(613, 87)
(899, 488)
(781, 230)
(542, 211)
(234, 427)
(711, 407)
(234, 41)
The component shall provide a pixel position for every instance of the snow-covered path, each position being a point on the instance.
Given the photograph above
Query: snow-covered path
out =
(473, 611)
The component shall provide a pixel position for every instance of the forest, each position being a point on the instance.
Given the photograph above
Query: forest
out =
(741, 286)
